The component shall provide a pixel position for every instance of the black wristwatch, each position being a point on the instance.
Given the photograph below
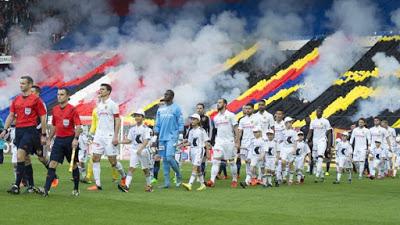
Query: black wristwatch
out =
(76, 138)
(44, 135)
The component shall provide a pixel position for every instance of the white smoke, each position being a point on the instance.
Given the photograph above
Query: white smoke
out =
(356, 17)
(187, 60)
(395, 18)
(162, 48)
(387, 93)
(340, 51)
(336, 55)
(280, 20)
(27, 48)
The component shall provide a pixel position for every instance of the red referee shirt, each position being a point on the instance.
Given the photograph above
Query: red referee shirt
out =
(26, 110)
(65, 119)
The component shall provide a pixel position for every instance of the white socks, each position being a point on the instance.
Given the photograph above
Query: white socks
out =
(82, 171)
(214, 169)
(192, 178)
(128, 180)
(96, 173)
(361, 169)
(233, 171)
(319, 167)
(248, 173)
(339, 175)
(148, 180)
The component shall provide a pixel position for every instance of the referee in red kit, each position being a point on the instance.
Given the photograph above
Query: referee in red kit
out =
(66, 129)
(25, 109)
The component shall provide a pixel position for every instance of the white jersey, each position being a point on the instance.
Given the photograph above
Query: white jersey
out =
(197, 138)
(265, 121)
(138, 134)
(302, 149)
(289, 138)
(83, 141)
(224, 123)
(271, 149)
(360, 137)
(279, 127)
(153, 139)
(106, 112)
(257, 146)
(378, 153)
(320, 127)
(396, 149)
(391, 133)
(343, 149)
(247, 124)
(378, 134)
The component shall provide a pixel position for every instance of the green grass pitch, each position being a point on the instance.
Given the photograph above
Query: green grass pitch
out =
(360, 203)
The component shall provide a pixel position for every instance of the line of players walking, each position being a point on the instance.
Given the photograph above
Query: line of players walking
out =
(273, 152)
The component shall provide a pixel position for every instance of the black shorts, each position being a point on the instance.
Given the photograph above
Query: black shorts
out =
(62, 147)
(39, 150)
(28, 139)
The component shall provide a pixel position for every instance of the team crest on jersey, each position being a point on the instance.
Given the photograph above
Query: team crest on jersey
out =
(28, 111)
(66, 122)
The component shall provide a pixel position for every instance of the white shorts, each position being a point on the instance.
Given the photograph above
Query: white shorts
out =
(224, 150)
(82, 155)
(196, 156)
(144, 160)
(359, 155)
(319, 147)
(389, 153)
(397, 161)
(102, 145)
(14, 153)
(255, 160)
(287, 155)
(270, 163)
(299, 162)
(378, 163)
(344, 162)
(245, 150)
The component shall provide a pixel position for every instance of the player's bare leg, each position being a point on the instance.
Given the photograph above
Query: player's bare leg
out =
(291, 173)
(284, 171)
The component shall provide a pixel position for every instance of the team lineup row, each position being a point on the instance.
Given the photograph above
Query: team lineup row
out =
(269, 145)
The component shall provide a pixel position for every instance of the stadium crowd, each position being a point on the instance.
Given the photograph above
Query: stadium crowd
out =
(272, 151)
(18, 13)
